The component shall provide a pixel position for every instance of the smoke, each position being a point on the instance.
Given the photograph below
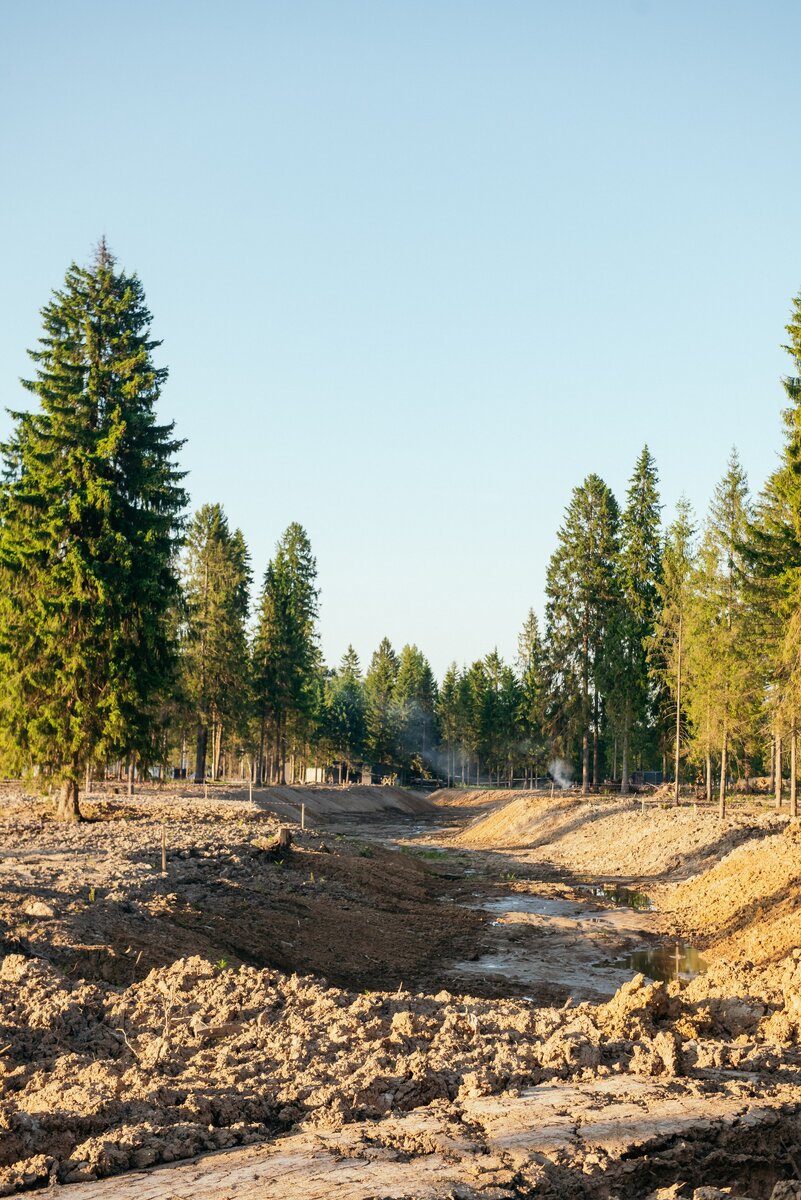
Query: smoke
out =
(561, 773)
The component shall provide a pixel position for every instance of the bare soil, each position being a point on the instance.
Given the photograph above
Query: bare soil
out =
(416, 1000)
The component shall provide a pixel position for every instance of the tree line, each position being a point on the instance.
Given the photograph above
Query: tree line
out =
(129, 633)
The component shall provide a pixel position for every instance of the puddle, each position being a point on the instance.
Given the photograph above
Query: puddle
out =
(622, 896)
(665, 962)
(519, 902)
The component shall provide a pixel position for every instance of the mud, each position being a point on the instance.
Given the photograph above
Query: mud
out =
(330, 1018)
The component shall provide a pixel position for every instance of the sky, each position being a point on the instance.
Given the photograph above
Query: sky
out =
(421, 266)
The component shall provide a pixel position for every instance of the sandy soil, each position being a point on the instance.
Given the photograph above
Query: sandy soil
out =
(328, 1017)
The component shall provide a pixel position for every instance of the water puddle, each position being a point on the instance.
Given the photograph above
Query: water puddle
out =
(664, 963)
(623, 897)
(542, 906)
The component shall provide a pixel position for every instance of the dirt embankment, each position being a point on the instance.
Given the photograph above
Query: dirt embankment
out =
(615, 837)
(747, 908)
(91, 897)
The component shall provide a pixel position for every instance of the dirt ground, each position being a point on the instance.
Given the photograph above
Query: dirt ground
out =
(416, 1000)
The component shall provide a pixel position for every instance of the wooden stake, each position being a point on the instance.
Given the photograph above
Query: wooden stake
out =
(303, 816)
(250, 790)
(163, 847)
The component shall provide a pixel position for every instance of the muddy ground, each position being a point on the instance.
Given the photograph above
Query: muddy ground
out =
(416, 1000)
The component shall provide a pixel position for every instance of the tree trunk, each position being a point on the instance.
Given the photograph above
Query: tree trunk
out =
(723, 770)
(777, 772)
(708, 776)
(676, 785)
(200, 754)
(67, 808)
(260, 769)
(131, 775)
(585, 763)
(772, 782)
(793, 776)
(624, 764)
(595, 742)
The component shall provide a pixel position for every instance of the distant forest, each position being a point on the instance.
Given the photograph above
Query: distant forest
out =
(130, 634)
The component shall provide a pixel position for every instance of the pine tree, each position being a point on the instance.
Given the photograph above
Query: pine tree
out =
(216, 588)
(90, 508)
(722, 688)
(382, 712)
(582, 597)
(774, 551)
(286, 653)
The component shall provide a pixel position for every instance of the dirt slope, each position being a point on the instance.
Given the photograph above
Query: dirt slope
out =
(746, 908)
(92, 899)
(615, 836)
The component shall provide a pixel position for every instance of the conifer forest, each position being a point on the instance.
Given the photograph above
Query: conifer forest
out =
(139, 638)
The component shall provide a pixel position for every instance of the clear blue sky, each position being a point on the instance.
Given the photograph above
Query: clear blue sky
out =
(420, 266)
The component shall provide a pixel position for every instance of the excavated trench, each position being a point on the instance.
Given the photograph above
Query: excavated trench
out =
(384, 1009)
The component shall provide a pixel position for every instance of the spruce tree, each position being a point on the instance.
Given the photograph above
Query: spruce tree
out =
(382, 712)
(415, 697)
(448, 718)
(286, 652)
(215, 663)
(345, 725)
(667, 648)
(532, 667)
(639, 574)
(582, 598)
(90, 512)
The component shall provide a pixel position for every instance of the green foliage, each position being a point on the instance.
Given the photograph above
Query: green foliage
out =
(287, 673)
(216, 579)
(344, 720)
(383, 733)
(583, 598)
(415, 699)
(90, 509)
(627, 687)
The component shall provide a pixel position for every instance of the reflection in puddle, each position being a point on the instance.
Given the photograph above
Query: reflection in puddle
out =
(665, 962)
(622, 896)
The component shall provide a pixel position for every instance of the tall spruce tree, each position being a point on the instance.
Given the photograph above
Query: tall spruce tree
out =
(667, 649)
(582, 598)
(629, 691)
(215, 653)
(382, 711)
(532, 666)
(415, 696)
(345, 724)
(90, 510)
(286, 652)
(448, 718)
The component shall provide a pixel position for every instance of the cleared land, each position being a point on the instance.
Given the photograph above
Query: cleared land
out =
(422, 998)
